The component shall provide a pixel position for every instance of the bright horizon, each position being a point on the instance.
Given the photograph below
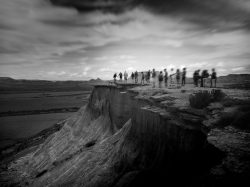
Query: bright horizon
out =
(110, 79)
(44, 42)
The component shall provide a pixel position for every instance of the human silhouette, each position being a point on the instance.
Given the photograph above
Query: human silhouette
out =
(125, 76)
(166, 77)
(204, 76)
(115, 75)
(148, 76)
(196, 77)
(136, 77)
(213, 78)
(132, 76)
(160, 78)
(154, 77)
(183, 77)
(178, 76)
(120, 75)
(171, 77)
(142, 78)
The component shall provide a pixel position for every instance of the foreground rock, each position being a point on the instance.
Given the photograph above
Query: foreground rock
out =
(131, 138)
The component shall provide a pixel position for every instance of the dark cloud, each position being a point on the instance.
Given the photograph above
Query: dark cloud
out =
(74, 53)
(6, 50)
(82, 23)
(90, 5)
(216, 13)
(71, 43)
(213, 13)
(5, 26)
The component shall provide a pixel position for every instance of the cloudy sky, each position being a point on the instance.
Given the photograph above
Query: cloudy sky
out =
(39, 40)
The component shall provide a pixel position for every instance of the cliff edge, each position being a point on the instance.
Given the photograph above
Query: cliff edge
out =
(139, 136)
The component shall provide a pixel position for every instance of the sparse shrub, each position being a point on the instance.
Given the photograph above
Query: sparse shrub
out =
(227, 102)
(225, 120)
(202, 99)
(237, 119)
(217, 95)
(242, 121)
(245, 108)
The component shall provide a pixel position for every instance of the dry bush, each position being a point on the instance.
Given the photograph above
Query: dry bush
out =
(203, 98)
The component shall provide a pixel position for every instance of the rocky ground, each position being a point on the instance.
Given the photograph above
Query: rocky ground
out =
(143, 135)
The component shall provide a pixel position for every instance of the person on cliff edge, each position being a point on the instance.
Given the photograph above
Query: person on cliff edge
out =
(120, 75)
(136, 77)
(171, 77)
(213, 78)
(178, 76)
(183, 77)
(154, 77)
(125, 76)
(142, 78)
(115, 75)
(148, 76)
(132, 76)
(160, 78)
(204, 76)
(196, 77)
(166, 77)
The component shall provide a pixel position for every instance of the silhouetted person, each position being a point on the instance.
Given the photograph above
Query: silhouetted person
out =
(115, 75)
(196, 77)
(142, 78)
(154, 77)
(183, 78)
(171, 77)
(148, 76)
(213, 78)
(125, 76)
(178, 77)
(132, 76)
(160, 78)
(120, 75)
(166, 77)
(204, 75)
(136, 77)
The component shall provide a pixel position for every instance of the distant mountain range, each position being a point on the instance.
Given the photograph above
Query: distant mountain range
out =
(240, 81)
(231, 78)
(235, 78)
(8, 84)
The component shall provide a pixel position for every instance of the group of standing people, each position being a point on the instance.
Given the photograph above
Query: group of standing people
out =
(145, 77)
(179, 76)
(203, 76)
(120, 76)
(164, 77)
(152, 75)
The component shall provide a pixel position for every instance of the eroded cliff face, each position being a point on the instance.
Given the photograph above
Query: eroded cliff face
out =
(120, 139)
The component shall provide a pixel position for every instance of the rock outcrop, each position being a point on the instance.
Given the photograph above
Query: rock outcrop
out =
(123, 138)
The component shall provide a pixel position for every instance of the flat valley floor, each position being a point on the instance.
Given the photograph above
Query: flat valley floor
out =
(23, 115)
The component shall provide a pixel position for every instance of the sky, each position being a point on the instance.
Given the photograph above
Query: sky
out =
(39, 40)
